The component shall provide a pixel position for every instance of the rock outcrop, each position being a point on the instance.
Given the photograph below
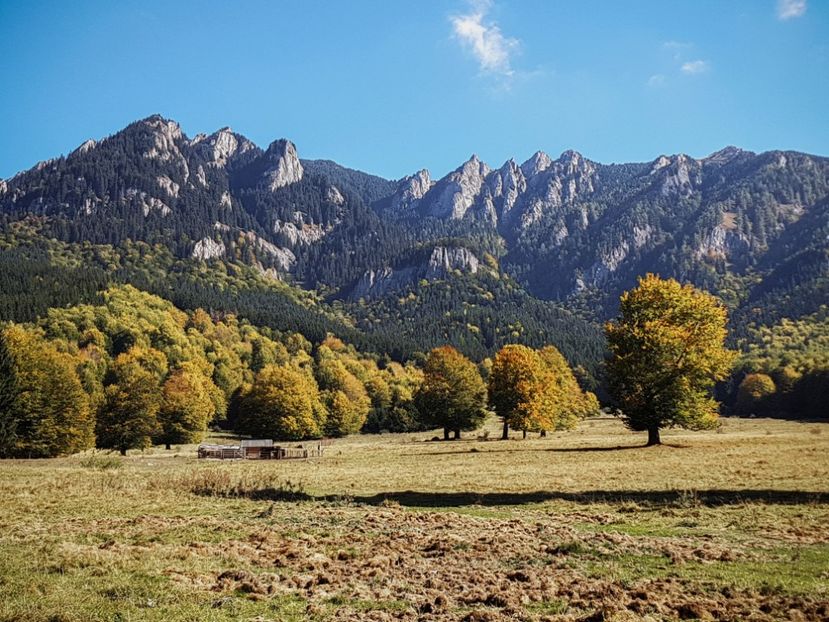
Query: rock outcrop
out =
(442, 263)
(168, 185)
(722, 243)
(334, 196)
(457, 192)
(411, 190)
(208, 248)
(284, 167)
(445, 260)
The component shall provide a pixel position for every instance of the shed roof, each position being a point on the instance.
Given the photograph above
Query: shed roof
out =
(262, 442)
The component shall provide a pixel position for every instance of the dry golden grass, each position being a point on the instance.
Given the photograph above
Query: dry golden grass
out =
(728, 523)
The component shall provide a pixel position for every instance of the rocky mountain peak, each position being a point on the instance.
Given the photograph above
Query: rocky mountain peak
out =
(224, 144)
(84, 147)
(538, 163)
(724, 155)
(411, 189)
(573, 164)
(458, 191)
(284, 167)
(167, 128)
(660, 163)
(474, 166)
(679, 174)
(165, 135)
(506, 185)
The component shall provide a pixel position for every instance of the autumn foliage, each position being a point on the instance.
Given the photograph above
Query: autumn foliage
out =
(452, 395)
(666, 352)
(536, 390)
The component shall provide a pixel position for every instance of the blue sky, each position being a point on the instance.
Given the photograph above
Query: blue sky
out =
(391, 87)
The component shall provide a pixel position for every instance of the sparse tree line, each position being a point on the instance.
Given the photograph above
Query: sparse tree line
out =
(136, 371)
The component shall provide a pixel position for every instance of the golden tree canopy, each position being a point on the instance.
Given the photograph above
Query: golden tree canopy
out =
(666, 352)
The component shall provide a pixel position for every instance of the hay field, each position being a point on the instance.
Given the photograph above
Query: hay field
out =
(584, 525)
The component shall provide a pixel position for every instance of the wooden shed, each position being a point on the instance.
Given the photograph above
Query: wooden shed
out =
(257, 448)
(263, 449)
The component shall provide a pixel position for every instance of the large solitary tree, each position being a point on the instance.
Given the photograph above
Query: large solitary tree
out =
(666, 352)
(452, 395)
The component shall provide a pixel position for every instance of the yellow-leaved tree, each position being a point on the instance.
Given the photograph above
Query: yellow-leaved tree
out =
(666, 352)
(536, 390)
(570, 403)
(517, 390)
(452, 395)
(128, 418)
(283, 403)
(344, 396)
(44, 410)
(186, 406)
(754, 390)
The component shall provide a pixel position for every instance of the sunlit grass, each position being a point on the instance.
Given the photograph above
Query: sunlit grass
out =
(99, 537)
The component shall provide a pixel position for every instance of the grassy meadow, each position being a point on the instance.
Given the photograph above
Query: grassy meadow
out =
(584, 525)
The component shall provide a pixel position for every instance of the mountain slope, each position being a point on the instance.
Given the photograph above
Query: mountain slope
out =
(405, 264)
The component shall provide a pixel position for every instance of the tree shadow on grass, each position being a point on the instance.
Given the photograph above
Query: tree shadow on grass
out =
(564, 450)
(708, 498)
(645, 498)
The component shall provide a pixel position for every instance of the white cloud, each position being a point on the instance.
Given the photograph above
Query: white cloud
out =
(677, 48)
(484, 40)
(657, 79)
(787, 9)
(695, 66)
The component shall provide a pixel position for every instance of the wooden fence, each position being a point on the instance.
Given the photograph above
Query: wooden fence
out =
(263, 451)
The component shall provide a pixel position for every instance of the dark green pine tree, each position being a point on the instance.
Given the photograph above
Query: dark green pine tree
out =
(8, 398)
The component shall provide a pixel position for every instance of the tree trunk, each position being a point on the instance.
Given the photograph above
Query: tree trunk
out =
(167, 446)
(446, 434)
(505, 435)
(123, 451)
(457, 435)
(543, 434)
(524, 434)
(653, 436)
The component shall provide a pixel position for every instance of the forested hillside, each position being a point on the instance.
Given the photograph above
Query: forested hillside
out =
(532, 253)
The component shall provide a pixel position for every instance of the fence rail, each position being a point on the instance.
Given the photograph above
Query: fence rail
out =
(255, 451)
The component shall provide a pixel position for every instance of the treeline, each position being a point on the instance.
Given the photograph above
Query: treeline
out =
(136, 371)
(785, 392)
(530, 390)
(785, 370)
